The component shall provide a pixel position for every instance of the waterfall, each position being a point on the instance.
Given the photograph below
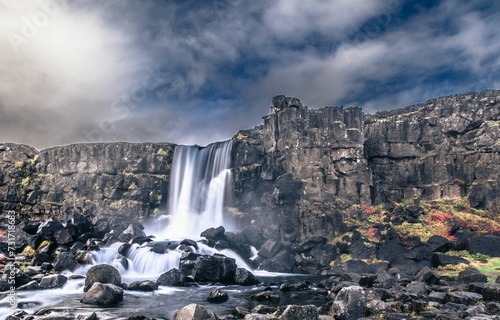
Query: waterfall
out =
(199, 179)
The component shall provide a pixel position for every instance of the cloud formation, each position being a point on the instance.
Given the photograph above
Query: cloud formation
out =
(195, 72)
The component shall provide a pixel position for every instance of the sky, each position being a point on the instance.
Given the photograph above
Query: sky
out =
(195, 72)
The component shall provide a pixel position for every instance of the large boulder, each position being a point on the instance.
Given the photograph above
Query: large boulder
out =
(471, 275)
(349, 304)
(282, 262)
(171, 278)
(103, 294)
(103, 273)
(244, 277)
(195, 312)
(216, 268)
(487, 244)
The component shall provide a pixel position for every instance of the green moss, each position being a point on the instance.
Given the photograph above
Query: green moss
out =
(25, 181)
(162, 152)
(29, 252)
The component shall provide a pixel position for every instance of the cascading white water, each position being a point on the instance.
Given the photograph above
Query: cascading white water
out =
(199, 179)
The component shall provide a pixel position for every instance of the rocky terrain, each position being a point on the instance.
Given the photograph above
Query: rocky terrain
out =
(396, 212)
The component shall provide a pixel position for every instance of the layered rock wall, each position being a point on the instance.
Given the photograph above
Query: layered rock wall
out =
(293, 174)
(294, 171)
(125, 179)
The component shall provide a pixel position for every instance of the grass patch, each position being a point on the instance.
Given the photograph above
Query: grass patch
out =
(490, 266)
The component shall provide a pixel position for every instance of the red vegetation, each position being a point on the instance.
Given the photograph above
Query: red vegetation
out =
(368, 209)
(441, 216)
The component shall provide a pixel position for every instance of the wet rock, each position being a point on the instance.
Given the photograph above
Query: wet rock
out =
(244, 277)
(102, 273)
(217, 296)
(144, 285)
(195, 312)
(470, 275)
(53, 281)
(216, 268)
(239, 312)
(17, 315)
(266, 296)
(65, 261)
(31, 227)
(257, 316)
(282, 262)
(103, 294)
(133, 230)
(350, 304)
(294, 286)
(270, 248)
(263, 309)
(214, 234)
(92, 316)
(171, 278)
(159, 247)
(32, 285)
(302, 312)
(123, 249)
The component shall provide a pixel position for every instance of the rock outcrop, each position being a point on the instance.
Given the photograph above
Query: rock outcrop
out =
(294, 174)
(126, 179)
(295, 171)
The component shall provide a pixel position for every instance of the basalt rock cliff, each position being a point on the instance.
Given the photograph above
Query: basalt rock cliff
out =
(293, 174)
(115, 179)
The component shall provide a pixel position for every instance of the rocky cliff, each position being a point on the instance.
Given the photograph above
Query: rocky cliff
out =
(295, 172)
(125, 179)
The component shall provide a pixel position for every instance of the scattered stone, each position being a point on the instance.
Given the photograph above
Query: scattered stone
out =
(439, 259)
(470, 275)
(53, 281)
(195, 312)
(463, 297)
(244, 277)
(428, 276)
(103, 273)
(103, 294)
(263, 309)
(266, 296)
(65, 261)
(491, 292)
(145, 285)
(92, 316)
(303, 312)
(217, 296)
(239, 312)
(350, 304)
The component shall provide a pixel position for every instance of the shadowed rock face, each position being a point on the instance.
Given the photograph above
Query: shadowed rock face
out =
(128, 179)
(292, 170)
(292, 174)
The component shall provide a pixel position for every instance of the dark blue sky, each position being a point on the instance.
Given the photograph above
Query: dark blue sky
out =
(197, 71)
